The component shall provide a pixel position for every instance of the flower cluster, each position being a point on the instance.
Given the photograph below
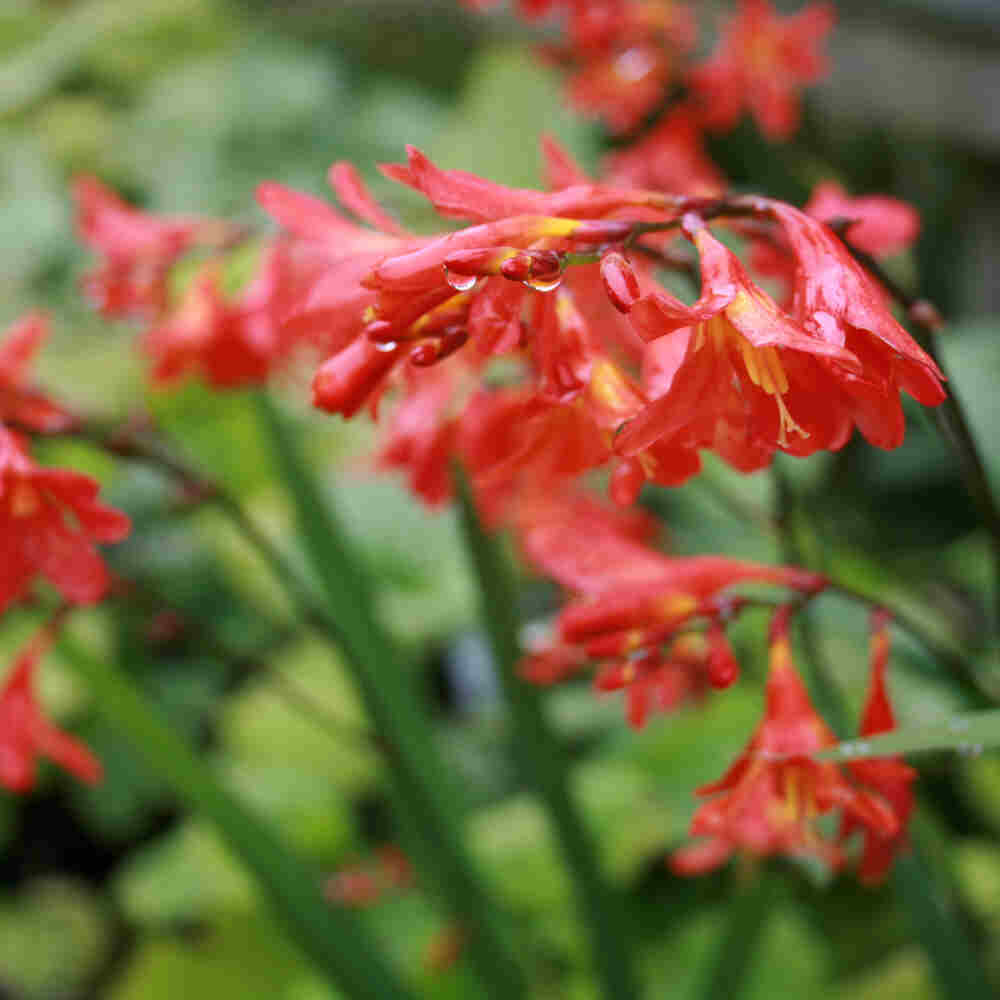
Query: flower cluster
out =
(627, 58)
(25, 733)
(772, 797)
(50, 524)
(535, 339)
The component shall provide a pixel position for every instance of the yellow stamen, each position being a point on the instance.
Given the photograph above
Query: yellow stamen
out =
(763, 367)
(24, 501)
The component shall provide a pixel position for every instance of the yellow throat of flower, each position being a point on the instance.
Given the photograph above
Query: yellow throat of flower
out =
(763, 366)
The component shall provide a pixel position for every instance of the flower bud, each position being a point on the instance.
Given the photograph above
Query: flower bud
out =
(723, 667)
(533, 265)
(620, 281)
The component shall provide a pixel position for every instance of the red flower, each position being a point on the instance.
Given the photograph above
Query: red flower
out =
(422, 433)
(362, 885)
(882, 225)
(745, 378)
(25, 733)
(461, 195)
(138, 249)
(49, 522)
(888, 777)
(769, 800)
(761, 62)
(20, 403)
(635, 603)
(671, 157)
(735, 374)
(835, 299)
(232, 343)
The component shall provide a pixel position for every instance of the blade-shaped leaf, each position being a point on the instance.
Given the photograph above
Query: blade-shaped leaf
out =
(541, 760)
(332, 938)
(926, 894)
(971, 732)
(727, 972)
(421, 783)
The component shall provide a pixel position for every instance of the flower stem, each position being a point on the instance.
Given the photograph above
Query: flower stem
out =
(541, 758)
(951, 416)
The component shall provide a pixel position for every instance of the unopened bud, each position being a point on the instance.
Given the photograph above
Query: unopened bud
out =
(533, 265)
(620, 281)
(723, 667)
(602, 231)
(479, 262)
(380, 331)
(925, 313)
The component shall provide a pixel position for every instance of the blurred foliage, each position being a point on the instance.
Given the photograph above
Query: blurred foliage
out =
(114, 892)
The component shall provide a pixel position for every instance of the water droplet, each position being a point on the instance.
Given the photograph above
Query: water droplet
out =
(633, 64)
(863, 747)
(847, 749)
(386, 346)
(543, 286)
(460, 282)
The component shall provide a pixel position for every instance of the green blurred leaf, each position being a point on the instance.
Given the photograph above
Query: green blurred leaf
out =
(332, 938)
(53, 938)
(542, 759)
(422, 784)
(972, 732)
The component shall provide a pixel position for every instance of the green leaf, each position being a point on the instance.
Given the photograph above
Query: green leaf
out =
(727, 971)
(332, 938)
(421, 784)
(928, 900)
(541, 758)
(972, 732)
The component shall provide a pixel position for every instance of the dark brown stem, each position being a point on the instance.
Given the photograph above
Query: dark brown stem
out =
(951, 417)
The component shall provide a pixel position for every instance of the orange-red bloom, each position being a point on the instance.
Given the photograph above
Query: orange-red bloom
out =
(881, 225)
(761, 62)
(137, 249)
(835, 299)
(233, 343)
(736, 374)
(21, 403)
(49, 522)
(770, 799)
(25, 733)
(671, 157)
(888, 777)
(636, 607)
(739, 375)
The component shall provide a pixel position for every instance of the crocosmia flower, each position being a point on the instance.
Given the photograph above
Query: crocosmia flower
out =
(653, 624)
(671, 157)
(888, 777)
(770, 799)
(835, 299)
(761, 63)
(26, 735)
(21, 404)
(739, 375)
(734, 373)
(232, 342)
(50, 520)
(137, 249)
(881, 225)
